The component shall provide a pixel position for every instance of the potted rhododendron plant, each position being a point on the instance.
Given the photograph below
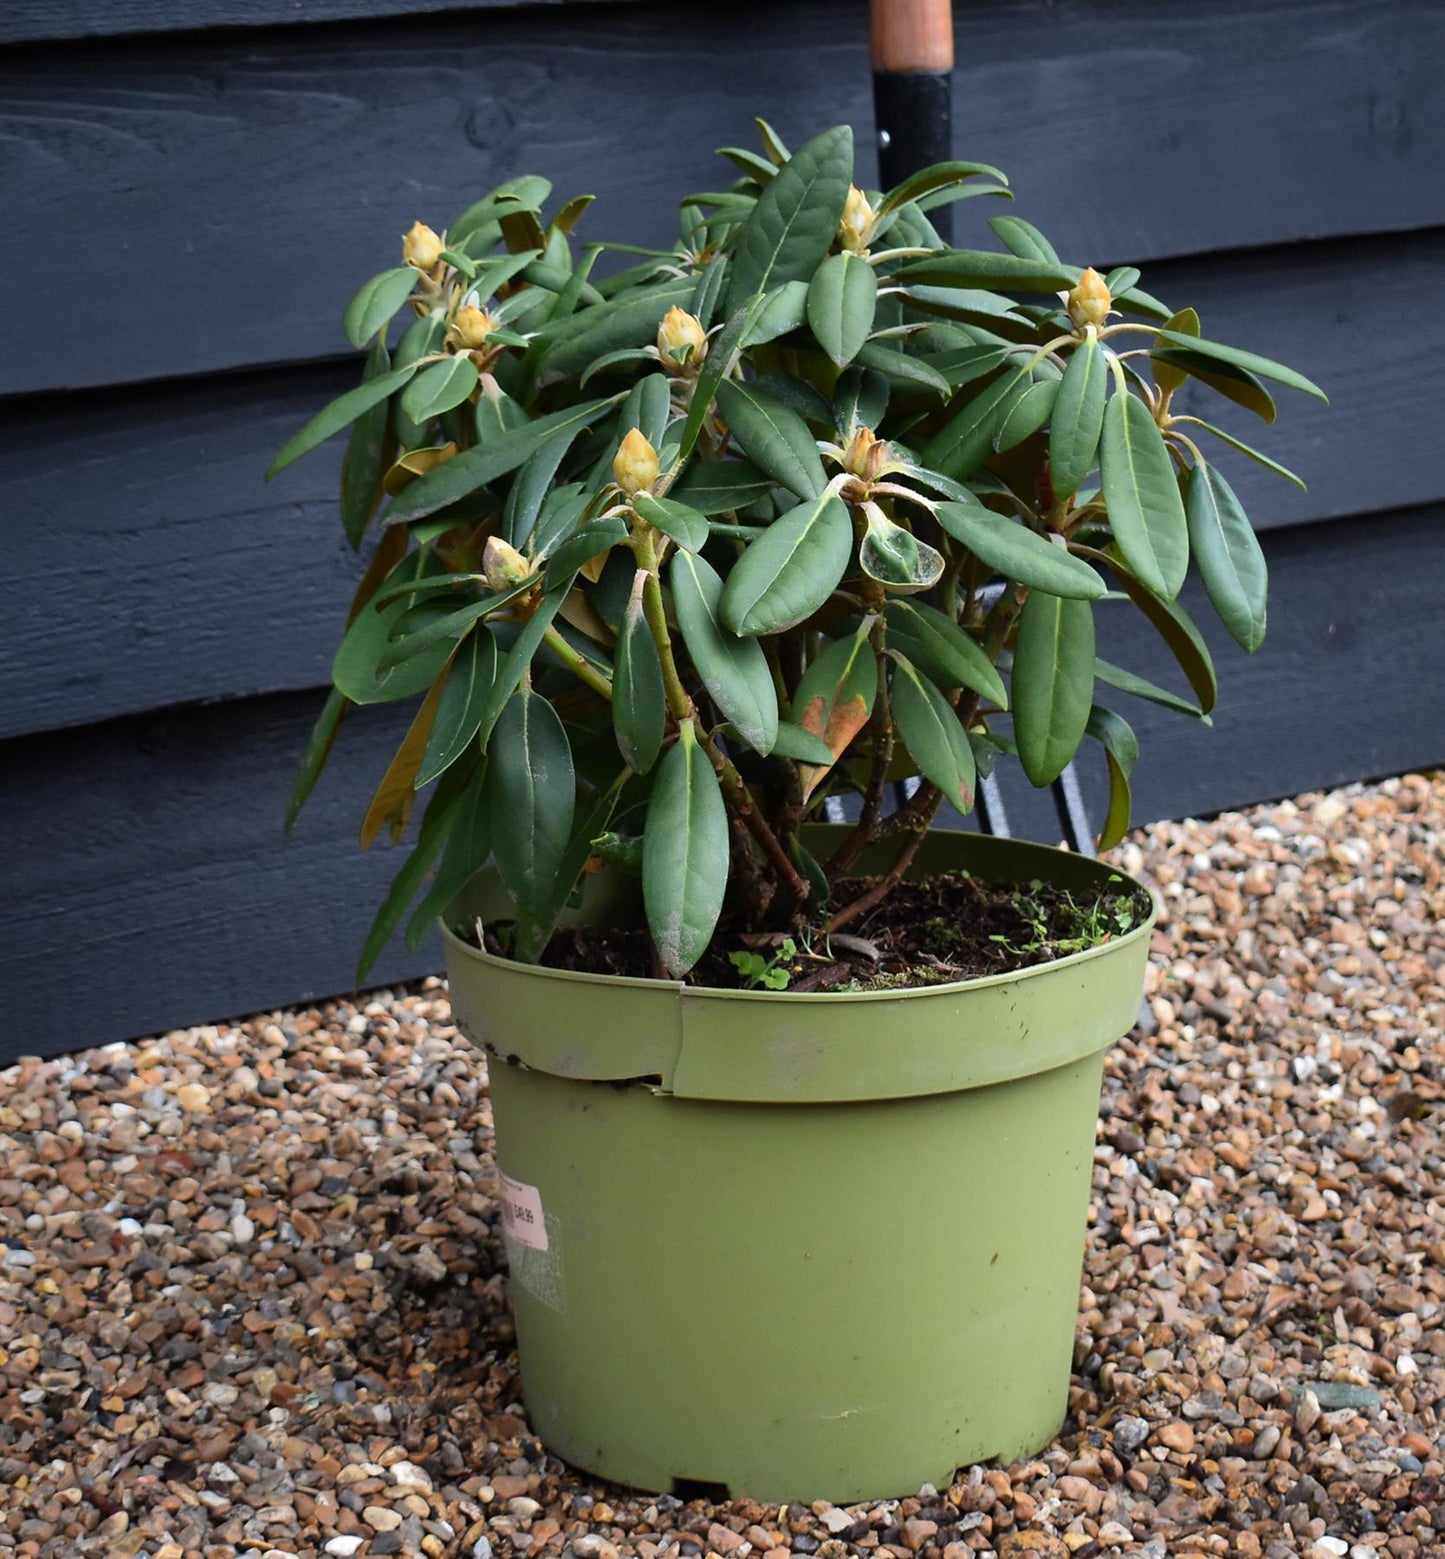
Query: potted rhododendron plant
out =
(681, 558)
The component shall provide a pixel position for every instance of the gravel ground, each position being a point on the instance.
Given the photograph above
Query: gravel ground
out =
(252, 1299)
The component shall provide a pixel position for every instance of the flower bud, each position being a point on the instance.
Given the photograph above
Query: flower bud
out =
(857, 219)
(681, 341)
(503, 565)
(421, 247)
(635, 463)
(865, 456)
(472, 326)
(1089, 303)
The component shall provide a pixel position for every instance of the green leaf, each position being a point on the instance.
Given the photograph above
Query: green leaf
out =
(513, 665)
(800, 745)
(1151, 692)
(965, 441)
(1121, 749)
(438, 388)
(1142, 495)
(932, 733)
(895, 557)
(793, 224)
(860, 399)
(1234, 384)
(1024, 240)
(468, 845)
(773, 436)
(1254, 454)
(532, 789)
(734, 670)
(578, 339)
(1053, 682)
(983, 268)
(528, 191)
(779, 311)
(357, 669)
(1078, 418)
(718, 364)
(1121, 279)
(366, 456)
(460, 711)
(1176, 628)
(475, 468)
(936, 644)
(941, 175)
(595, 537)
(435, 624)
(1251, 362)
(648, 408)
(531, 487)
(639, 707)
(841, 299)
(1019, 553)
(318, 750)
(903, 373)
(684, 854)
(343, 411)
(1166, 376)
(718, 486)
(686, 526)
(790, 570)
(372, 307)
(1027, 414)
(1230, 561)
(835, 699)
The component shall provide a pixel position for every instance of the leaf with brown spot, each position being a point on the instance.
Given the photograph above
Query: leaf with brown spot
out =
(391, 805)
(834, 701)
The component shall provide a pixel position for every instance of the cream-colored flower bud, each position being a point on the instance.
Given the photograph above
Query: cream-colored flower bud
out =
(635, 463)
(857, 219)
(865, 456)
(503, 565)
(681, 341)
(421, 247)
(472, 326)
(1089, 303)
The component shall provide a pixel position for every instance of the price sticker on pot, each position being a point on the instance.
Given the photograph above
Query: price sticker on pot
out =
(522, 1217)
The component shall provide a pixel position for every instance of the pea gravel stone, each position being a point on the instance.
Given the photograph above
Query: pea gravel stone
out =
(253, 1299)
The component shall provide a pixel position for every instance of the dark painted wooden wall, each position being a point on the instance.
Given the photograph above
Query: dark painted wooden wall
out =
(191, 190)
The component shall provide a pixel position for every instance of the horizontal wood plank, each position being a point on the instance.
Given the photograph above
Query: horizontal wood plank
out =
(221, 196)
(148, 564)
(151, 886)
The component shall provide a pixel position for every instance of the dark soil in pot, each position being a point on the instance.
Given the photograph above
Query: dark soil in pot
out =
(944, 928)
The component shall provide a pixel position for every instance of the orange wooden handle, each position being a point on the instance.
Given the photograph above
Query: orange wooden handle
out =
(912, 35)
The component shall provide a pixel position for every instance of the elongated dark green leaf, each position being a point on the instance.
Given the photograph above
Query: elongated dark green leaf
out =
(792, 226)
(1251, 362)
(860, 399)
(717, 486)
(440, 818)
(1234, 384)
(1121, 749)
(1228, 554)
(1053, 682)
(531, 486)
(460, 711)
(366, 456)
(800, 745)
(358, 668)
(528, 191)
(318, 750)
(983, 268)
(904, 373)
(1121, 279)
(1176, 627)
(686, 526)
(647, 408)
(1142, 496)
(790, 570)
(684, 854)
(1254, 454)
(720, 353)
(596, 536)
(1020, 554)
(841, 299)
(1024, 239)
(779, 311)
(639, 705)
(1151, 692)
(468, 847)
(375, 303)
(965, 441)
(571, 343)
(1078, 418)
(531, 784)
(773, 436)
(940, 175)
(734, 670)
(936, 644)
(1166, 376)
(436, 623)
(512, 665)
(931, 731)
(341, 413)
(1027, 414)
(439, 388)
(499, 456)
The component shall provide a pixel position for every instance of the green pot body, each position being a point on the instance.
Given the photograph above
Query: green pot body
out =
(799, 1246)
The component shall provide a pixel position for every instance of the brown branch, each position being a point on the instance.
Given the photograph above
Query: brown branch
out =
(891, 878)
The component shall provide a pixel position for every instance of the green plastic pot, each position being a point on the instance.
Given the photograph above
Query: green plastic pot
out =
(798, 1246)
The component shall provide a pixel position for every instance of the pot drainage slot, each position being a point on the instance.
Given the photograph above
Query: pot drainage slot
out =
(700, 1488)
